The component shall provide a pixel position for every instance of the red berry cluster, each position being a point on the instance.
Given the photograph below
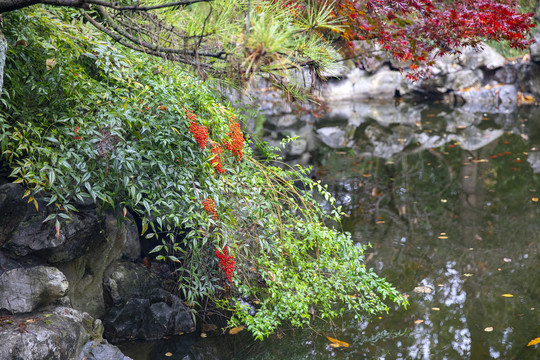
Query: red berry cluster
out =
(200, 132)
(210, 207)
(76, 135)
(217, 158)
(236, 142)
(226, 262)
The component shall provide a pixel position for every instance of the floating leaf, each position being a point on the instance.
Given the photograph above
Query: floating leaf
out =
(236, 330)
(489, 329)
(507, 295)
(335, 343)
(418, 321)
(423, 290)
(534, 341)
(168, 354)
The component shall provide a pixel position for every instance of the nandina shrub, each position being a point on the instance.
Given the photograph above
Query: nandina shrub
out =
(97, 124)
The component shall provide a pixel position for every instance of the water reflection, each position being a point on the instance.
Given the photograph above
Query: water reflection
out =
(461, 219)
(448, 200)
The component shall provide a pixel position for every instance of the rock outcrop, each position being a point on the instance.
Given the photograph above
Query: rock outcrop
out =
(52, 284)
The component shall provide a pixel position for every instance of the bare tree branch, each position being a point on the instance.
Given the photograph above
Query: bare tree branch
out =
(10, 5)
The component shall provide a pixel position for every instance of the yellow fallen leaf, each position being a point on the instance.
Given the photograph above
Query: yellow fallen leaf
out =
(467, 275)
(507, 295)
(418, 321)
(488, 329)
(335, 343)
(168, 354)
(435, 309)
(203, 335)
(236, 330)
(534, 341)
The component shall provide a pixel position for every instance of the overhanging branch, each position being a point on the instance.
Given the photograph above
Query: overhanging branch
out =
(10, 5)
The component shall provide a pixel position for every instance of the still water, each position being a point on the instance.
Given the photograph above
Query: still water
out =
(449, 202)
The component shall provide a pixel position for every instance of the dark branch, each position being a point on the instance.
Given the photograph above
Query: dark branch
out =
(10, 5)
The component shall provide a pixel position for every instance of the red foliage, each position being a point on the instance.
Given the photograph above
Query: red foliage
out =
(226, 262)
(417, 31)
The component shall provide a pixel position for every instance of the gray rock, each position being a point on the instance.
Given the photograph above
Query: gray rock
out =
(535, 48)
(491, 99)
(529, 78)
(359, 85)
(333, 137)
(13, 209)
(24, 290)
(506, 75)
(487, 58)
(86, 273)
(56, 334)
(31, 236)
(463, 79)
(101, 350)
(283, 121)
(142, 309)
(297, 147)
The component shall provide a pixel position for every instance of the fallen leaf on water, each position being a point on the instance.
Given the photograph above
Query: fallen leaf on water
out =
(335, 343)
(236, 330)
(168, 354)
(423, 290)
(507, 295)
(507, 259)
(488, 329)
(534, 341)
(418, 321)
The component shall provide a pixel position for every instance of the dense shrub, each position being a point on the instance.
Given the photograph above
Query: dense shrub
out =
(82, 119)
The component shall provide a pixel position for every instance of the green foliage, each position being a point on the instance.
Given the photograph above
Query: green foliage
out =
(82, 119)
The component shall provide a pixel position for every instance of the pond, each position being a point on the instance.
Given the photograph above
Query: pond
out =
(449, 201)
